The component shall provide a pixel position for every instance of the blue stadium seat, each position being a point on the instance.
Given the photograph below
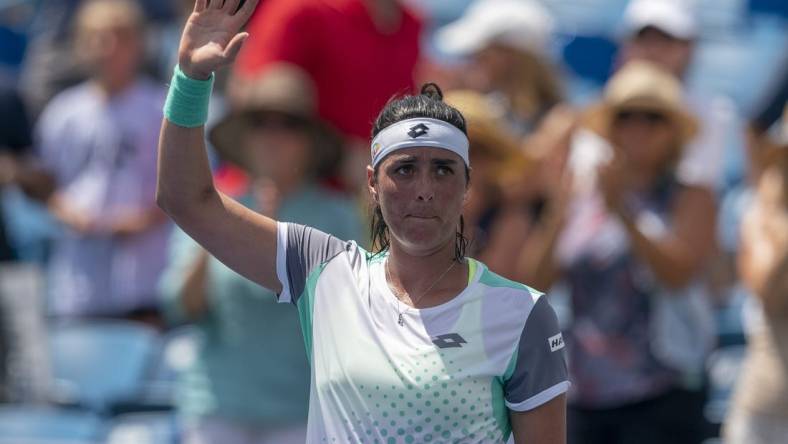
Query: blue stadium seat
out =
(143, 428)
(24, 424)
(98, 363)
(776, 7)
(590, 57)
(177, 351)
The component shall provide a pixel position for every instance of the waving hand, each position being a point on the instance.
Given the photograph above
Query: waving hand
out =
(211, 38)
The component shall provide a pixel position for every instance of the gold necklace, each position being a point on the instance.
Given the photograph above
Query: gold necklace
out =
(400, 318)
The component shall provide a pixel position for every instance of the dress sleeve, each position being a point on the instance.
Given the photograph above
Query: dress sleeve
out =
(299, 251)
(539, 371)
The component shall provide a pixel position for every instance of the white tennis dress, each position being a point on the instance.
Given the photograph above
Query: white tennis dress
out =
(448, 375)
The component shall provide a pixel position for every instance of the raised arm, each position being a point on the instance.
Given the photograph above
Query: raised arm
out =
(242, 239)
(763, 256)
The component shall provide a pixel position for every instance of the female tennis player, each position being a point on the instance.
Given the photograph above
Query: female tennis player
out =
(412, 343)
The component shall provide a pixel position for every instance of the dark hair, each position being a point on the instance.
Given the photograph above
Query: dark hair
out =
(427, 104)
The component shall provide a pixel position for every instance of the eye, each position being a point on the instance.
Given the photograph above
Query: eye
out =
(444, 170)
(404, 170)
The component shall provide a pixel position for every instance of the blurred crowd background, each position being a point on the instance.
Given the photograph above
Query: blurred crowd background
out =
(630, 158)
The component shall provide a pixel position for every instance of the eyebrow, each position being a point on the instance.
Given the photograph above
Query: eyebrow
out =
(444, 162)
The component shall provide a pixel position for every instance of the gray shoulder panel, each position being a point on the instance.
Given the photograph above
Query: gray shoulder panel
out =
(306, 249)
(540, 362)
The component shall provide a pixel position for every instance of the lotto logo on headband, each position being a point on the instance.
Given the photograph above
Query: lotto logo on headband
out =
(419, 132)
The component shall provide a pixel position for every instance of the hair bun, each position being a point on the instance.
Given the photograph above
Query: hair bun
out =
(432, 90)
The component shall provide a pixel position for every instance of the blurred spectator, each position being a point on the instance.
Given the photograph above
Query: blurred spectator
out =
(759, 411)
(21, 363)
(629, 245)
(14, 138)
(500, 207)
(15, 143)
(359, 52)
(99, 141)
(665, 33)
(507, 42)
(243, 389)
(49, 65)
(727, 285)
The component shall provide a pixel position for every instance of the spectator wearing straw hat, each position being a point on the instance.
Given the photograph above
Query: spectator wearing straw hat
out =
(629, 246)
(250, 383)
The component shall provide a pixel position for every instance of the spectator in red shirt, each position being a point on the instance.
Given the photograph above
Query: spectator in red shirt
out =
(359, 52)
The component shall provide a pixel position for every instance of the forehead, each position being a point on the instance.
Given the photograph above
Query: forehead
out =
(422, 154)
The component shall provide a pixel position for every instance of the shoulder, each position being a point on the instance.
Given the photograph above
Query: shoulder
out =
(71, 108)
(65, 102)
(508, 296)
(146, 94)
(713, 110)
(150, 89)
(500, 284)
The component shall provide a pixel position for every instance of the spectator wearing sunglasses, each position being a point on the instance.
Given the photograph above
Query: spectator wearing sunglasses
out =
(628, 242)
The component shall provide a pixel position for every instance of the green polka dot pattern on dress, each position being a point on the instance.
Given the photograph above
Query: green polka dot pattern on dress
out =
(436, 402)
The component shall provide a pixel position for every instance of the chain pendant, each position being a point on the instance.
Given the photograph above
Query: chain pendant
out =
(400, 320)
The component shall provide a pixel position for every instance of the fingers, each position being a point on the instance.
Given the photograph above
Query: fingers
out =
(200, 5)
(230, 6)
(246, 10)
(231, 51)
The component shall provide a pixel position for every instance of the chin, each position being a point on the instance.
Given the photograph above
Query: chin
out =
(423, 242)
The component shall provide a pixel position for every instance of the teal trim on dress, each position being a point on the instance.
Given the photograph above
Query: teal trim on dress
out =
(306, 308)
(493, 280)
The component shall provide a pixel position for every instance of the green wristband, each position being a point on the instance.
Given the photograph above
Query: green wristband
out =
(187, 100)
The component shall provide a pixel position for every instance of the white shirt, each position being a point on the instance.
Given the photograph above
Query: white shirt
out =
(102, 152)
(448, 374)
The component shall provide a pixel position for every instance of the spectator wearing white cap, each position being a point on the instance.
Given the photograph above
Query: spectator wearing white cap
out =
(506, 42)
(665, 32)
(661, 31)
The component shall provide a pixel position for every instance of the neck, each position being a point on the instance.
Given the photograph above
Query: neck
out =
(415, 274)
(643, 181)
(113, 85)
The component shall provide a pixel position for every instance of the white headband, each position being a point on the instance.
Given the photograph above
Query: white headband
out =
(419, 132)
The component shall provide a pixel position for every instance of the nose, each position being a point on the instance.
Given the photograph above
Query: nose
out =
(425, 191)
